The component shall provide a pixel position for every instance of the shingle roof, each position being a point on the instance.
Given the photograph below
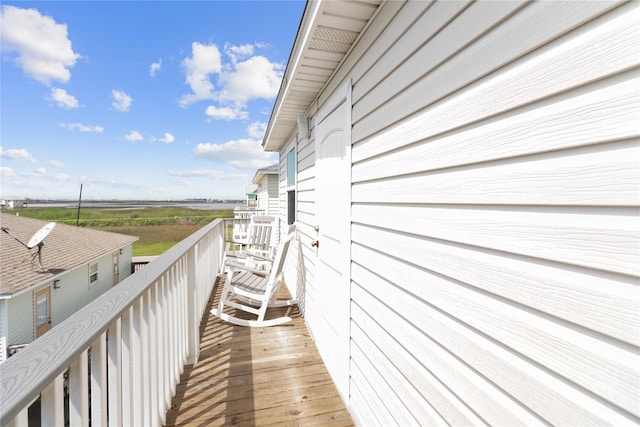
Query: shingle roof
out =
(269, 170)
(65, 248)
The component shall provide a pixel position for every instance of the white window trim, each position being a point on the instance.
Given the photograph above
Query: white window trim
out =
(95, 273)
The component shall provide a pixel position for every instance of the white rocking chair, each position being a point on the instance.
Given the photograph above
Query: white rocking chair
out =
(256, 248)
(254, 291)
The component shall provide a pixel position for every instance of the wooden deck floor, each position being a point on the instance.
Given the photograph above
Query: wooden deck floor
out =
(257, 377)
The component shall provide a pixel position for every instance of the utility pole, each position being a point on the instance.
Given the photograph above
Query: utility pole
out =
(79, 202)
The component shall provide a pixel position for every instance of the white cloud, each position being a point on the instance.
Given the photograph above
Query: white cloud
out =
(241, 153)
(236, 52)
(42, 46)
(63, 99)
(56, 163)
(61, 177)
(167, 138)
(40, 171)
(155, 67)
(198, 173)
(17, 154)
(226, 113)
(6, 171)
(205, 60)
(182, 183)
(257, 77)
(257, 129)
(244, 76)
(81, 127)
(121, 101)
(133, 136)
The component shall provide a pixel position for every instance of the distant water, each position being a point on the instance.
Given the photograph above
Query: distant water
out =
(141, 204)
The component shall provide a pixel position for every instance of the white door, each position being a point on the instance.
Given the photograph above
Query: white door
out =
(332, 296)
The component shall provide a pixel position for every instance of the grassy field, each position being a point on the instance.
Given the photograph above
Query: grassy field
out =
(158, 229)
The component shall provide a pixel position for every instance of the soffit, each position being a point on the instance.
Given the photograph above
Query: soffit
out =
(327, 32)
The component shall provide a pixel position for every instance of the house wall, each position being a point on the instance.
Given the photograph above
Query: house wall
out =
(268, 190)
(296, 273)
(494, 226)
(20, 319)
(74, 292)
(13, 204)
(3, 330)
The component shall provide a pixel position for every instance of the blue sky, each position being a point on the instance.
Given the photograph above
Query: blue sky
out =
(139, 100)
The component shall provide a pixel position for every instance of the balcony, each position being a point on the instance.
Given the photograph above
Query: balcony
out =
(148, 352)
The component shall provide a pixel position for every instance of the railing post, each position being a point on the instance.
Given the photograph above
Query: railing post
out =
(193, 313)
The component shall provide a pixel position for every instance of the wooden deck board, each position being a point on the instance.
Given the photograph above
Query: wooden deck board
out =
(256, 377)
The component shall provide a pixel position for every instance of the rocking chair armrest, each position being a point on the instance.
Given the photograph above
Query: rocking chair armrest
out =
(234, 266)
(238, 242)
(258, 256)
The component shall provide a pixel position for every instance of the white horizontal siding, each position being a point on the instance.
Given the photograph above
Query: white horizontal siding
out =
(495, 230)
(272, 195)
(600, 49)
(3, 330)
(601, 302)
(603, 113)
(299, 267)
(548, 395)
(268, 194)
(20, 319)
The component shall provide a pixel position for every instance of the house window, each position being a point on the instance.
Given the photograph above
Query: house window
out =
(93, 273)
(291, 186)
(291, 168)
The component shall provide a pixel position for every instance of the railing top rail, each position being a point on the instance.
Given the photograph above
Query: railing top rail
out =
(23, 376)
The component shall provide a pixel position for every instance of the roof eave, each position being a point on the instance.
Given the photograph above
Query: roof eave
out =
(307, 23)
(328, 32)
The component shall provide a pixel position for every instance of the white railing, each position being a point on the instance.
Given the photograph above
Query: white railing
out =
(247, 213)
(120, 357)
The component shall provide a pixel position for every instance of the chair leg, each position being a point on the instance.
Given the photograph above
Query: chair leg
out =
(224, 295)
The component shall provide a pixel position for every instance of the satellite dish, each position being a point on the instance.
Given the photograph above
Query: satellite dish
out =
(40, 235)
(36, 240)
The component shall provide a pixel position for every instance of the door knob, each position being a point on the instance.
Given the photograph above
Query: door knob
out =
(316, 244)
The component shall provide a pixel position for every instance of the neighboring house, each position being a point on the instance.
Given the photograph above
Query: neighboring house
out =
(13, 203)
(468, 174)
(82, 264)
(267, 188)
(252, 196)
(262, 194)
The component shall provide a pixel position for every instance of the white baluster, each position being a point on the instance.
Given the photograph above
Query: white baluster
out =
(99, 381)
(52, 403)
(79, 391)
(115, 373)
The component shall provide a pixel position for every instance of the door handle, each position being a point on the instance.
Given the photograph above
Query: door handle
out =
(316, 244)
